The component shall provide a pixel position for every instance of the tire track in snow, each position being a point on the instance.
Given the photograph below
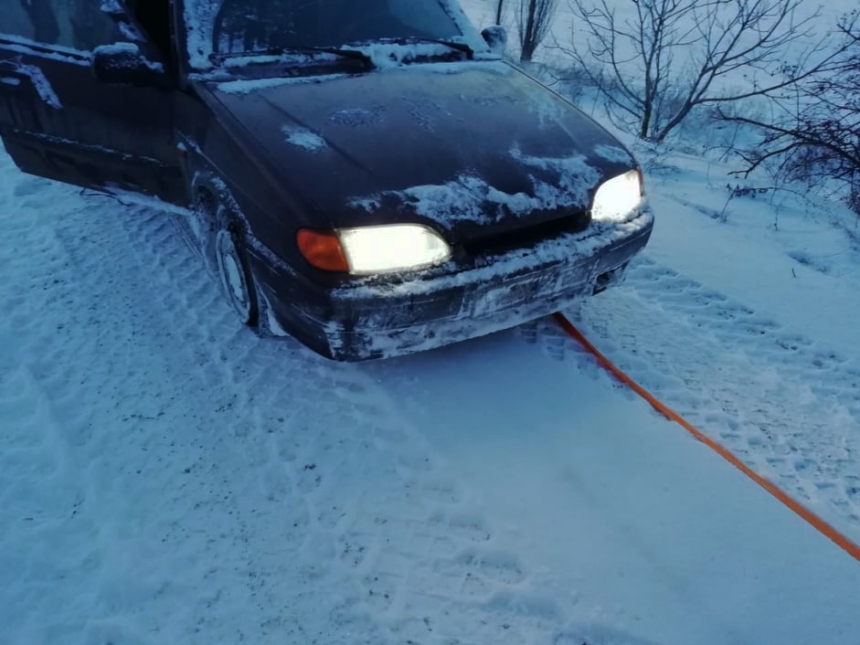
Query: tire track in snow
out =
(239, 528)
(109, 385)
(228, 488)
(787, 406)
(43, 503)
(374, 499)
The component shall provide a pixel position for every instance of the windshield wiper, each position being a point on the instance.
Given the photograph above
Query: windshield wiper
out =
(412, 40)
(350, 54)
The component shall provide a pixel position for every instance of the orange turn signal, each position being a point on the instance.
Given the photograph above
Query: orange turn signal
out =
(322, 250)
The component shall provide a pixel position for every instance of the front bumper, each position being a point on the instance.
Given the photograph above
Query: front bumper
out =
(375, 318)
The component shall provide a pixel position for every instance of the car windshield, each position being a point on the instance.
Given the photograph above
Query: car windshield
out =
(260, 26)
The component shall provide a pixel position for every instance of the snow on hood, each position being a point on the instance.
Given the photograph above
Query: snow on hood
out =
(303, 138)
(565, 183)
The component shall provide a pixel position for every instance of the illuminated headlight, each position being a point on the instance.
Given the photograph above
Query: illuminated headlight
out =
(618, 197)
(398, 247)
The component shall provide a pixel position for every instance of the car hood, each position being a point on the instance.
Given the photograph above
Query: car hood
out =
(471, 149)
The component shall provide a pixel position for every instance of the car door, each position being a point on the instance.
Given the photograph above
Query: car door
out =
(57, 120)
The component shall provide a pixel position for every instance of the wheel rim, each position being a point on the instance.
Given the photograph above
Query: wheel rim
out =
(233, 277)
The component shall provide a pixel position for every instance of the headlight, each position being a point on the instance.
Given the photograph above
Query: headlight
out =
(618, 197)
(381, 249)
(374, 249)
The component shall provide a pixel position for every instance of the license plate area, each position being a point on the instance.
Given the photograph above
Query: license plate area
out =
(516, 294)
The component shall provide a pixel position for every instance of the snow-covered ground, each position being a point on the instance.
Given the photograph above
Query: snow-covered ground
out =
(166, 477)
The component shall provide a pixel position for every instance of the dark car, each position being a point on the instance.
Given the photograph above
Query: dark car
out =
(370, 177)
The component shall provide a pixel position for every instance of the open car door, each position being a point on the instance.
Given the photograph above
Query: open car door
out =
(59, 120)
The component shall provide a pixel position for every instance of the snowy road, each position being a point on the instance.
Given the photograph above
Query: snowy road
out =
(168, 478)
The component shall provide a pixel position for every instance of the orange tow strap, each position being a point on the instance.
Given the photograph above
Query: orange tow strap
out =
(817, 523)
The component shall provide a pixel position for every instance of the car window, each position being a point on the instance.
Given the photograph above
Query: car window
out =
(77, 24)
(232, 26)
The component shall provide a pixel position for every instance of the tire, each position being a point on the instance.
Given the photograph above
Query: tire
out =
(234, 273)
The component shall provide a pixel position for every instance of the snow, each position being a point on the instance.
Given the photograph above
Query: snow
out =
(386, 55)
(255, 85)
(59, 52)
(41, 83)
(304, 138)
(130, 55)
(463, 199)
(204, 485)
(674, 546)
(471, 199)
(128, 198)
(572, 179)
(612, 153)
(167, 477)
(817, 297)
(200, 18)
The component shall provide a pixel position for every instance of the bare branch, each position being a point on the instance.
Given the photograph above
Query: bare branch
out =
(819, 139)
(534, 18)
(716, 40)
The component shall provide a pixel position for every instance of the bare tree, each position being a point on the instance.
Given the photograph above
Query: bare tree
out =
(534, 18)
(818, 135)
(500, 5)
(673, 56)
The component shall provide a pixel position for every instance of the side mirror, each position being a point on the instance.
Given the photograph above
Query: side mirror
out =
(497, 38)
(125, 63)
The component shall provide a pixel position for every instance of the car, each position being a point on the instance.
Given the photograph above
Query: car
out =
(370, 178)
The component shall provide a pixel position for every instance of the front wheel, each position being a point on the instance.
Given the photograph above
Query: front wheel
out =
(236, 278)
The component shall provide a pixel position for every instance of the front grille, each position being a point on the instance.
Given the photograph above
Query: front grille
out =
(505, 242)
